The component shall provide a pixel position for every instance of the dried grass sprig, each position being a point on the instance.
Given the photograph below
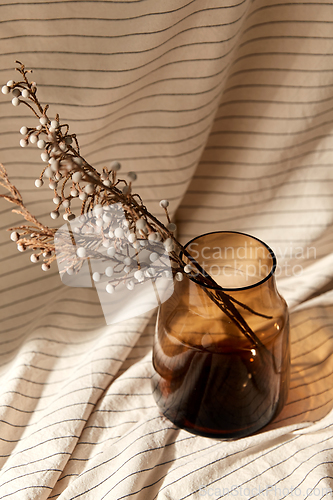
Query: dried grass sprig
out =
(35, 236)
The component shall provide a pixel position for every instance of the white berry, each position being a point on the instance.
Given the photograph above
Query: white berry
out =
(169, 245)
(96, 276)
(151, 236)
(106, 243)
(45, 157)
(127, 261)
(109, 271)
(34, 258)
(54, 165)
(23, 130)
(77, 176)
(16, 101)
(110, 288)
(81, 252)
(89, 189)
(98, 209)
(111, 252)
(48, 172)
(131, 237)
(172, 227)
(119, 232)
(107, 218)
(164, 203)
(39, 183)
(115, 166)
(132, 176)
(130, 285)
(83, 196)
(15, 236)
(154, 257)
(188, 268)
(138, 275)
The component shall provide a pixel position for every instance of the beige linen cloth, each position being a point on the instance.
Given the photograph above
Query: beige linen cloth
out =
(224, 107)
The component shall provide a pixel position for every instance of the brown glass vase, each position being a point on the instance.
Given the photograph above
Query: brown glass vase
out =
(215, 374)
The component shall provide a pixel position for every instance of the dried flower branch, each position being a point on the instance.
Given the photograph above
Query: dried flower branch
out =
(113, 225)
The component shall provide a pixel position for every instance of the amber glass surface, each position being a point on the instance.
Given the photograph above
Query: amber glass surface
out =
(210, 378)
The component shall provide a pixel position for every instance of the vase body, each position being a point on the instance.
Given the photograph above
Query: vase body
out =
(211, 377)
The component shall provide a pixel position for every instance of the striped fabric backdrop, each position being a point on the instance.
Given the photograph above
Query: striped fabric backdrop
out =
(224, 107)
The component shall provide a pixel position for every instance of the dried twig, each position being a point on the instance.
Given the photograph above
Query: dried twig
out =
(108, 209)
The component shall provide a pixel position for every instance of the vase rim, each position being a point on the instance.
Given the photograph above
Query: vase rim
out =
(235, 289)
